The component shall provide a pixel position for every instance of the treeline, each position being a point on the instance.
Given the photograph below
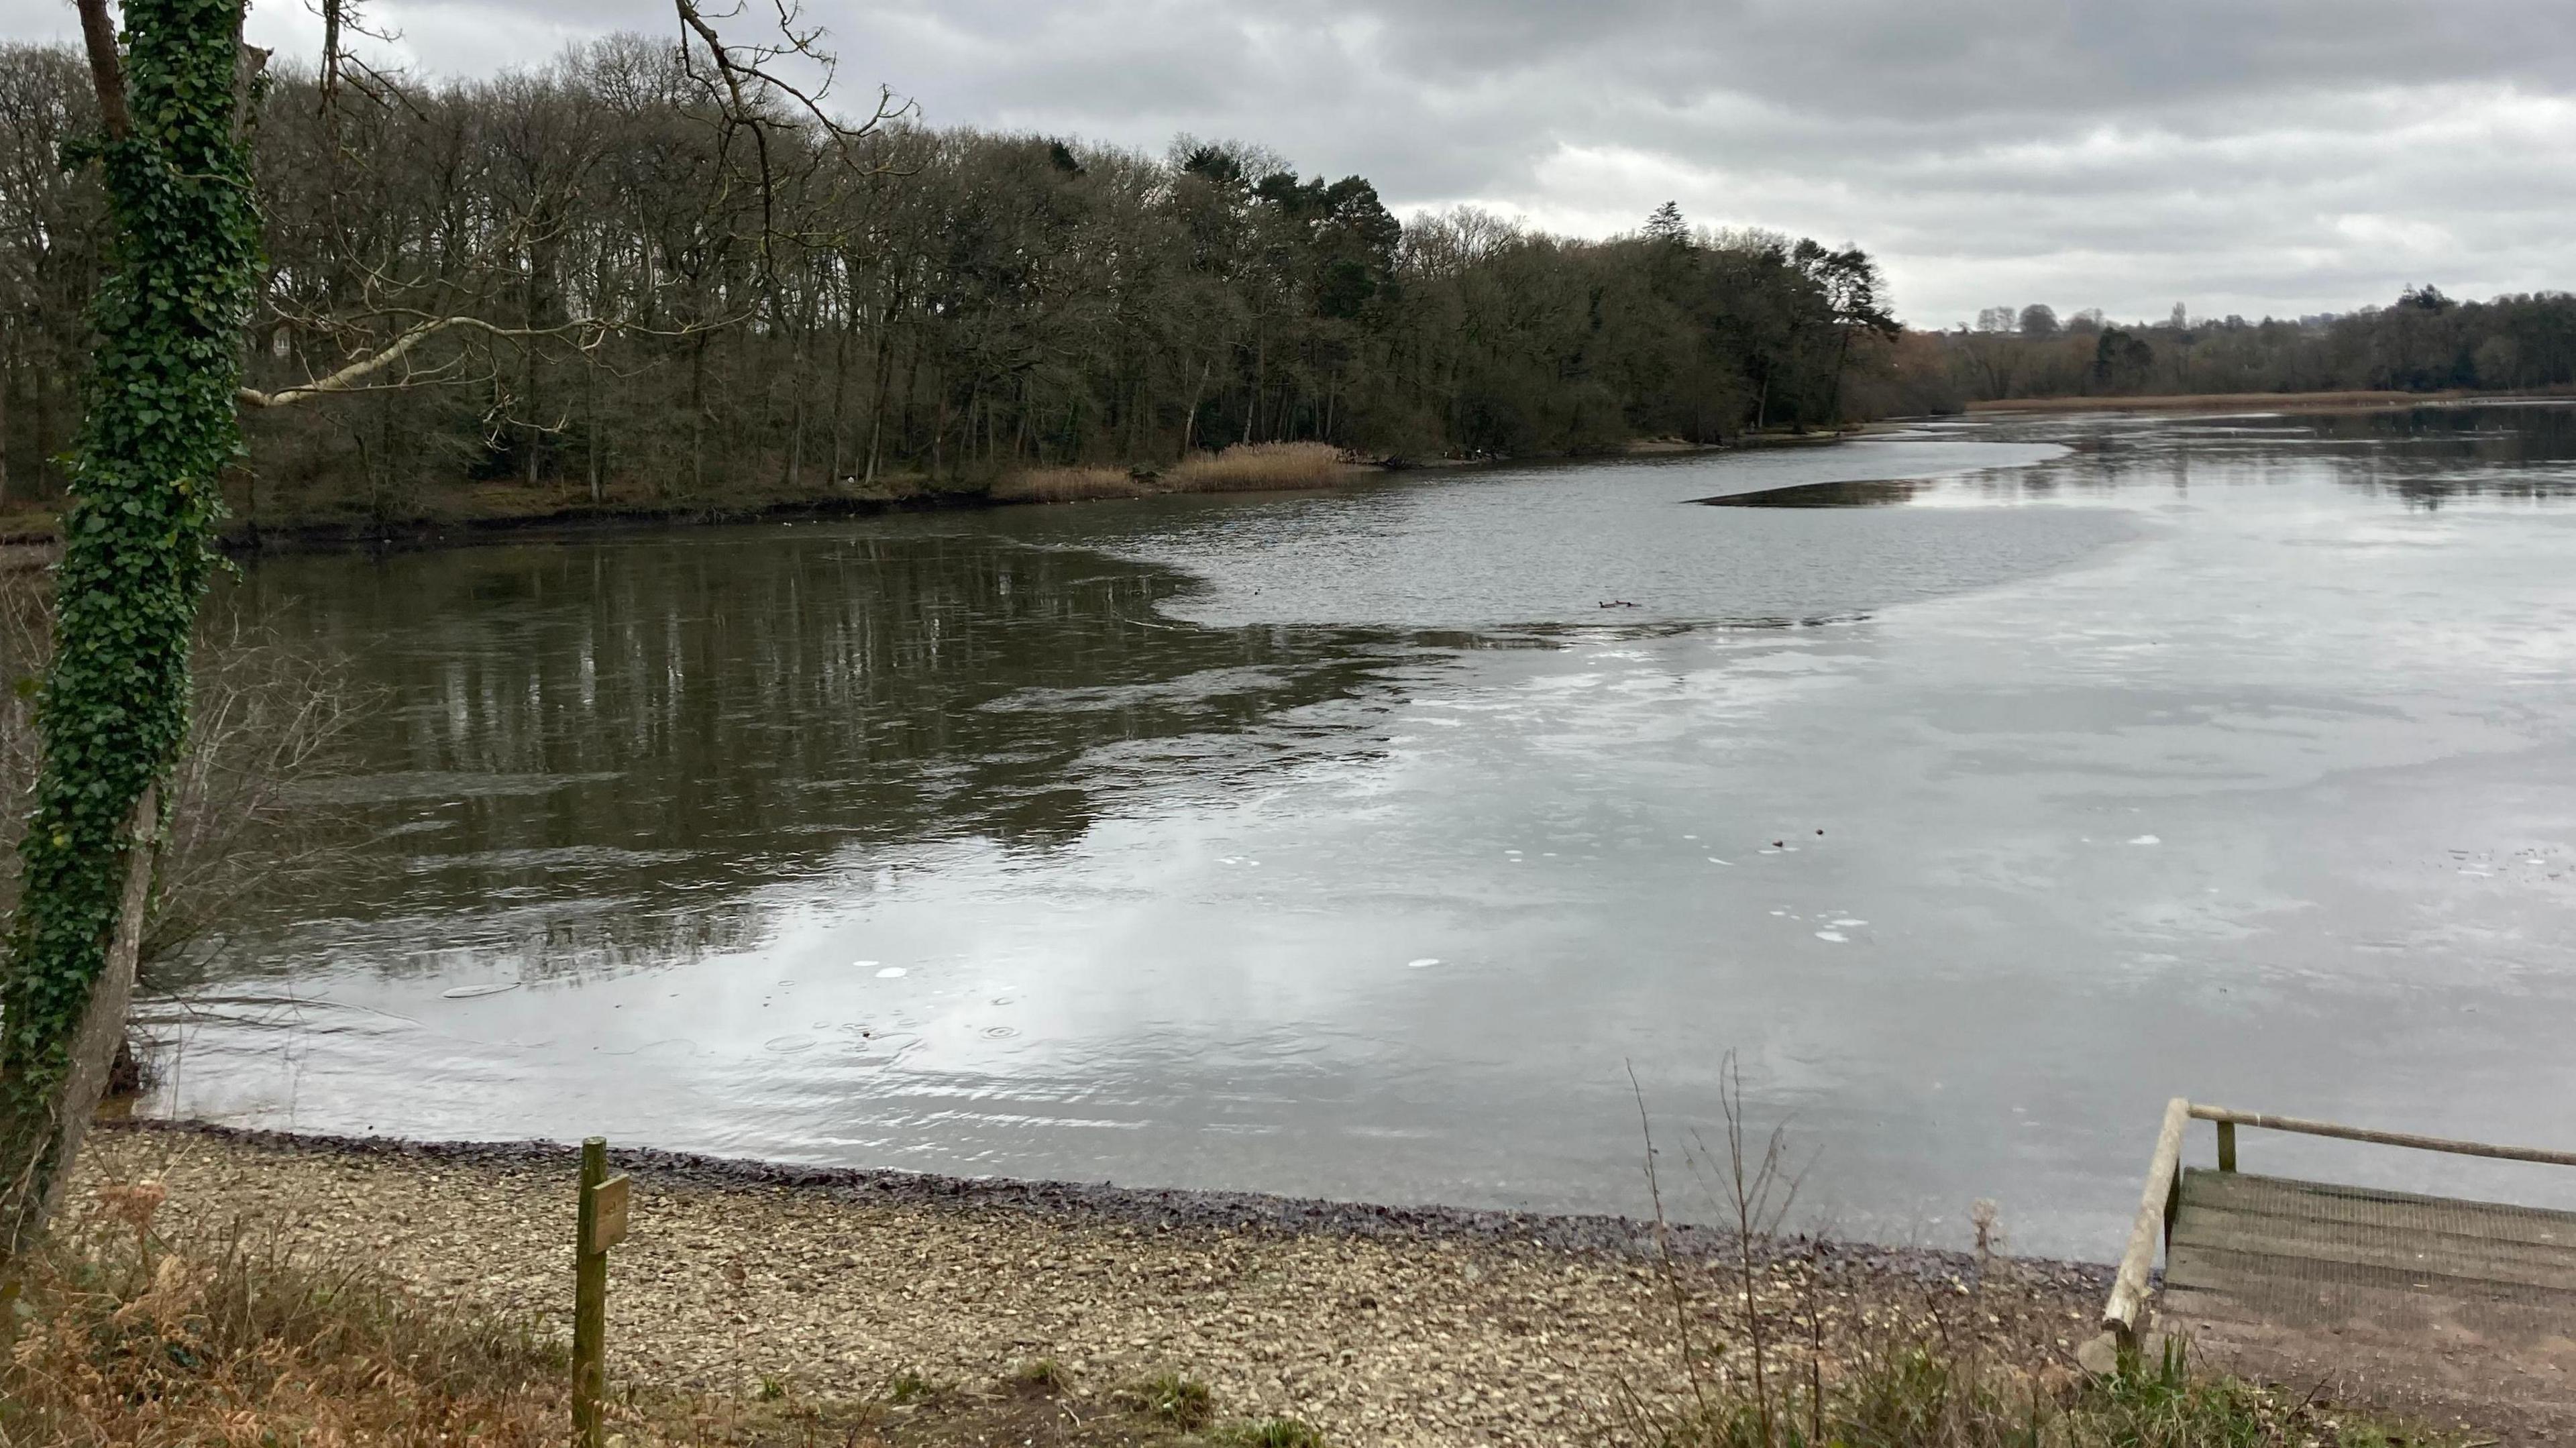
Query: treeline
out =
(2424, 342)
(599, 278)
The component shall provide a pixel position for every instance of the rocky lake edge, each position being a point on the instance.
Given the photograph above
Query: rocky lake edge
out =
(1373, 1323)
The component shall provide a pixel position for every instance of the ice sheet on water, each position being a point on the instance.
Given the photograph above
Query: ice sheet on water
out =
(1424, 962)
(469, 992)
(1835, 936)
(891, 972)
(2146, 840)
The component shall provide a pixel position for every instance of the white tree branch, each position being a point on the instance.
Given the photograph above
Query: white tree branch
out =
(349, 377)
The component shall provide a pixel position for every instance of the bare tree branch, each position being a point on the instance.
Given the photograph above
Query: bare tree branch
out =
(748, 72)
(342, 67)
(588, 333)
(348, 378)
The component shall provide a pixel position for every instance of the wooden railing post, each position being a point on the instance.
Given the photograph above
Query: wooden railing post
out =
(2126, 1312)
(599, 1223)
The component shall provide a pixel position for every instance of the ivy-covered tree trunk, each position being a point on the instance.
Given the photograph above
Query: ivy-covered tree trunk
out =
(160, 428)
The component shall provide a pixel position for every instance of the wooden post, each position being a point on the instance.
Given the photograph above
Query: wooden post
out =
(599, 1223)
(2125, 1312)
(2227, 1146)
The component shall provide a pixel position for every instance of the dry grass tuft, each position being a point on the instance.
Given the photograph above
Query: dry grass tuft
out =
(1043, 1374)
(1253, 466)
(1268, 1433)
(1068, 485)
(127, 1338)
(1184, 1403)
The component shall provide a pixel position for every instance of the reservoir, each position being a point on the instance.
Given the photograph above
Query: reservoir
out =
(1977, 786)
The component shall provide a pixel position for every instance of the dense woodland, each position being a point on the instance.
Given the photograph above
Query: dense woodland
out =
(604, 283)
(658, 296)
(2423, 342)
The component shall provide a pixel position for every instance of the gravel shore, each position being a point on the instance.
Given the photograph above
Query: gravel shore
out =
(1376, 1324)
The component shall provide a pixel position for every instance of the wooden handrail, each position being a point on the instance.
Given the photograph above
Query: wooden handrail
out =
(2128, 1305)
(2306, 1127)
(2126, 1312)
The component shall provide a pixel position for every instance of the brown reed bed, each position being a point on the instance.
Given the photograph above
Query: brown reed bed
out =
(1244, 468)
(1069, 485)
(1252, 467)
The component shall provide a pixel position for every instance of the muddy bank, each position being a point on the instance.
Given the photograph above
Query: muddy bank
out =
(2360, 401)
(1377, 1324)
(496, 513)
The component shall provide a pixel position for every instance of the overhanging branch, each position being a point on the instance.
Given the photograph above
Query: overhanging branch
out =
(348, 378)
(590, 332)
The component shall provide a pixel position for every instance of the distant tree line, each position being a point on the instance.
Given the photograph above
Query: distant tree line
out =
(2423, 342)
(600, 276)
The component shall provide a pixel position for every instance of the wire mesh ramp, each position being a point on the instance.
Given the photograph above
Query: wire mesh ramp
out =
(2424, 1302)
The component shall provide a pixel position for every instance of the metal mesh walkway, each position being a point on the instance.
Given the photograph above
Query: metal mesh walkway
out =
(2281, 1250)
(2447, 1303)
(2462, 1311)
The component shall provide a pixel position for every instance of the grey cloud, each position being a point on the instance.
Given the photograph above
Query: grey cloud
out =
(2240, 155)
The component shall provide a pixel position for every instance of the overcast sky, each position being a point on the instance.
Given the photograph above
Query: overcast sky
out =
(2244, 156)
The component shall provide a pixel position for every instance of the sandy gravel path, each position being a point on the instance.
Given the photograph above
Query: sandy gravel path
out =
(1376, 1326)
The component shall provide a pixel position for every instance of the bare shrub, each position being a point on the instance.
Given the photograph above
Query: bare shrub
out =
(1258, 465)
(271, 717)
(1888, 1374)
